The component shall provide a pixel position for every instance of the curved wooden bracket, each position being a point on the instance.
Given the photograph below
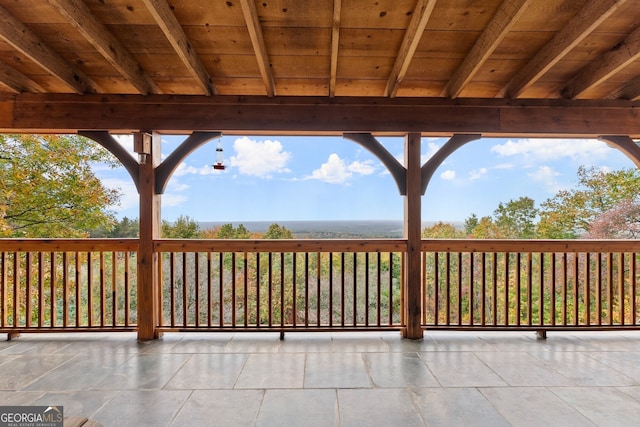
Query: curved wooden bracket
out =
(110, 143)
(455, 142)
(625, 144)
(398, 172)
(169, 165)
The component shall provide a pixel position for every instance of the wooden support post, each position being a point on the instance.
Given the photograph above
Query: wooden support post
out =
(148, 286)
(412, 232)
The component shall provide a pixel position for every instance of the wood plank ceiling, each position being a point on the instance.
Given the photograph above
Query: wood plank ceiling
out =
(451, 49)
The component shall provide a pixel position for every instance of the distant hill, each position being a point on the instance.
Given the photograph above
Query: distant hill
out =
(327, 229)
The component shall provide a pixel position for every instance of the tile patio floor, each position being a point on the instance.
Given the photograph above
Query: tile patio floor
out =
(339, 379)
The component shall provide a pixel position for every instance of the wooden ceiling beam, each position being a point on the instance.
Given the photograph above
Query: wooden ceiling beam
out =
(586, 20)
(44, 113)
(630, 91)
(80, 17)
(16, 81)
(506, 15)
(173, 31)
(21, 38)
(335, 45)
(412, 36)
(604, 67)
(259, 46)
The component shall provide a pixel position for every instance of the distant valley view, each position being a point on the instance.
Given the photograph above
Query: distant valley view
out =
(359, 229)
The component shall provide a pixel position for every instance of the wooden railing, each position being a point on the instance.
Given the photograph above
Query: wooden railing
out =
(536, 285)
(281, 285)
(68, 285)
(320, 285)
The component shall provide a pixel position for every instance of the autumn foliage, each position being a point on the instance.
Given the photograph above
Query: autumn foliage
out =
(48, 187)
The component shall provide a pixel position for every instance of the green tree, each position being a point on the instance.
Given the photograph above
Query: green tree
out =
(241, 232)
(470, 223)
(516, 219)
(183, 228)
(228, 231)
(487, 229)
(124, 228)
(569, 213)
(225, 231)
(48, 189)
(443, 230)
(276, 231)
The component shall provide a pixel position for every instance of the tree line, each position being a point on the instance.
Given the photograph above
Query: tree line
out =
(186, 227)
(604, 205)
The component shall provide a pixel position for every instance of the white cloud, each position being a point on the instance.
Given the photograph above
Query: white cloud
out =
(362, 168)
(546, 176)
(176, 193)
(184, 169)
(477, 173)
(553, 149)
(504, 166)
(448, 175)
(336, 170)
(173, 199)
(333, 171)
(259, 158)
(175, 186)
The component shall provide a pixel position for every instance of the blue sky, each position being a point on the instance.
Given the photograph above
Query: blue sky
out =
(331, 178)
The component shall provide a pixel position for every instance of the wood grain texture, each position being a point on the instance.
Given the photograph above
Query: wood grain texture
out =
(175, 34)
(79, 15)
(321, 115)
(456, 49)
(584, 23)
(25, 41)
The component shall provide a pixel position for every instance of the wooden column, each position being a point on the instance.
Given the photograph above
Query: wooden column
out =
(150, 220)
(412, 232)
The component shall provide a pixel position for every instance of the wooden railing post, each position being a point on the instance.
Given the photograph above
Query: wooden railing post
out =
(412, 232)
(148, 147)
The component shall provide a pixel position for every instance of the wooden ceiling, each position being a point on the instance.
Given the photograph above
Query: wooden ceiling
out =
(444, 50)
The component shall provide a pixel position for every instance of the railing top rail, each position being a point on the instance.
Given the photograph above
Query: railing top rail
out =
(319, 245)
(284, 245)
(505, 245)
(68, 245)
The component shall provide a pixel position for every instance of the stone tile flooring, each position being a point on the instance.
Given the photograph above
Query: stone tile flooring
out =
(339, 379)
